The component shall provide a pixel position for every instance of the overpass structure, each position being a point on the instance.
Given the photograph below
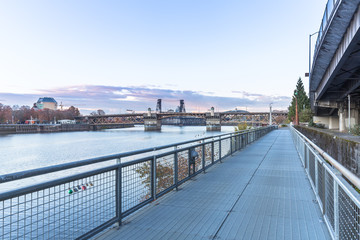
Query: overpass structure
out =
(214, 120)
(334, 79)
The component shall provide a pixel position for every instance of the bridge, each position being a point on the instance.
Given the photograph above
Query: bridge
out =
(213, 120)
(334, 76)
(259, 184)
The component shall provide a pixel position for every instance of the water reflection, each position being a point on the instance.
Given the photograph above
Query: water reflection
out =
(28, 151)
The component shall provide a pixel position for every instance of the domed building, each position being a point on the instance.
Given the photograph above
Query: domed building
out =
(46, 102)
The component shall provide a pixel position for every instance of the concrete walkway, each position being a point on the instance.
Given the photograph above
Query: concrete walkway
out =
(261, 192)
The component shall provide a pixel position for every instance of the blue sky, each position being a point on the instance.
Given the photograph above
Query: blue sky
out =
(116, 55)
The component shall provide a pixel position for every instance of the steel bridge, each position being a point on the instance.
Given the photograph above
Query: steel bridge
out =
(258, 184)
(226, 118)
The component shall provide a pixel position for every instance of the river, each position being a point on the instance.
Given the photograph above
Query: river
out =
(71, 214)
(19, 152)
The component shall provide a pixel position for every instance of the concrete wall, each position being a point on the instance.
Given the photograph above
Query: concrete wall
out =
(341, 148)
(329, 122)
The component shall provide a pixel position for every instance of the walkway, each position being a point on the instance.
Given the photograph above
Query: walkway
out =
(261, 192)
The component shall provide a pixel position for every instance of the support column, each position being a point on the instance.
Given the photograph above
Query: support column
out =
(354, 118)
(342, 116)
(334, 122)
(151, 121)
(213, 121)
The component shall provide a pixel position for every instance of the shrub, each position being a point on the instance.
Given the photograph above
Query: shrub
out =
(355, 130)
(241, 127)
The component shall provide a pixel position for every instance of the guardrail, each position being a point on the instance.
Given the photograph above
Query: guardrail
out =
(84, 204)
(331, 5)
(338, 200)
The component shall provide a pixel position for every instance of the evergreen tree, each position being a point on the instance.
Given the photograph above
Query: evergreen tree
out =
(303, 103)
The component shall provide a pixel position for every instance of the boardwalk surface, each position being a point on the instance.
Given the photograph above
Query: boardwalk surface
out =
(261, 192)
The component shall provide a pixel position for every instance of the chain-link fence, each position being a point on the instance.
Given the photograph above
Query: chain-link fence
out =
(336, 195)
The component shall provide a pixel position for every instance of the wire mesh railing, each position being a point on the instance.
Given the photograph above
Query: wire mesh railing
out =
(335, 193)
(83, 204)
(328, 13)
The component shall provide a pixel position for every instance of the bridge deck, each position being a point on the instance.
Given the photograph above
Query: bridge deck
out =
(261, 192)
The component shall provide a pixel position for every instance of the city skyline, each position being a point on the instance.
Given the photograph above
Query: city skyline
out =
(222, 54)
(141, 98)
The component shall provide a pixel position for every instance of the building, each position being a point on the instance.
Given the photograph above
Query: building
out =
(46, 102)
(66, 121)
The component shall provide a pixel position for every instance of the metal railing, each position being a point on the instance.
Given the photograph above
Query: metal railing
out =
(85, 203)
(338, 200)
(328, 13)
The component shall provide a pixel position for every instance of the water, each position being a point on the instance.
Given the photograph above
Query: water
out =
(54, 213)
(21, 152)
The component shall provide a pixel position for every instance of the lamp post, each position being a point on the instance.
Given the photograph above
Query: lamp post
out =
(310, 35)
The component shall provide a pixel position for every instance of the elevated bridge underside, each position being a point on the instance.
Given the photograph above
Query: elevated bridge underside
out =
(335, 72)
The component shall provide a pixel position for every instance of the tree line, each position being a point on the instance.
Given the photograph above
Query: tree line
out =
(19, 115)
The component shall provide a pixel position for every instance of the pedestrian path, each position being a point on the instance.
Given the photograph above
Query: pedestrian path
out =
(261, 192)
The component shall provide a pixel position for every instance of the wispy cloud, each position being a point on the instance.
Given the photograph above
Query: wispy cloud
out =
(113, 99)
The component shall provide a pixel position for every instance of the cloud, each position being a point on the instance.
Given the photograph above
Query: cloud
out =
(115, 99)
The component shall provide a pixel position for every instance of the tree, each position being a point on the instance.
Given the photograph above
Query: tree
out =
(165, 169)
(5, 113)
(241, 127)
(18, 114)
(280, 119)
(303, 103)
(73, 112)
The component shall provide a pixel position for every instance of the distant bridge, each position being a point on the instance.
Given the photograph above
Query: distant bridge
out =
(152, 121)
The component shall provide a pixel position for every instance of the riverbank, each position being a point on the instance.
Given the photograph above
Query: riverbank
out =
(41, 128)
(51, 128)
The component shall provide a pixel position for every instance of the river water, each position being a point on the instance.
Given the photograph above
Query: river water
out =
(54, 212)
(19, 152)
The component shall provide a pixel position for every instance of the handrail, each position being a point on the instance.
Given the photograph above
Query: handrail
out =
(59, 167)
(327, 15)
(355, 180)
(108, 194)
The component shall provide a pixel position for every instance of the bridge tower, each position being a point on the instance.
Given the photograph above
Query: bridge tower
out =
(158, 106)
(213, 121)
(151, 121)
(182, 106)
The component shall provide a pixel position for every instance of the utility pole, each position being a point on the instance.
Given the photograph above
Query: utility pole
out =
(296, 110)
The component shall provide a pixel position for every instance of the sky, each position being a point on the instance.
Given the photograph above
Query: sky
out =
(118, 55)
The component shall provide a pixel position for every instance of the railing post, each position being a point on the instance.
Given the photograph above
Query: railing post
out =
(231, 145)
(306, 160)
(220, 149)
(189, 165)
(118, 195)
(176, 169)
(212, 152)
(316, 174)
(153, 175)
(203, 155)
(336, 209)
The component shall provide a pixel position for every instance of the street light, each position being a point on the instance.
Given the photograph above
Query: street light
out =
(310, 35)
